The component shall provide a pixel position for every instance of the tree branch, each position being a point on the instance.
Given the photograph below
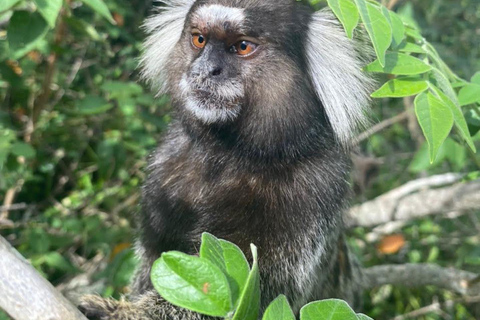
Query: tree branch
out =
(416, 199)
(25, 294)
(418, 275)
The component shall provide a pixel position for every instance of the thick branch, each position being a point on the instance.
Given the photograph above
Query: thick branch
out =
(417, 199)
(25, 294)
(417, 275)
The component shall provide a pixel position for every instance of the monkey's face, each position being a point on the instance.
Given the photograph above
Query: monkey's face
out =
(222, 57)
(263, 65)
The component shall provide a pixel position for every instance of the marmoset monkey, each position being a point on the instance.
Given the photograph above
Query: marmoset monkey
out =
(267, 95)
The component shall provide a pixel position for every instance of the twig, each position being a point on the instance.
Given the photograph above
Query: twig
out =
(436, 307)
(418, 199)
(42, 99)
(25, 294)
(13, 207)
(381, 126)
(392, 4)
(417, 275)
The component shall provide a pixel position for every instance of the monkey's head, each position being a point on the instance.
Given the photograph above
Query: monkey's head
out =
(270, 60)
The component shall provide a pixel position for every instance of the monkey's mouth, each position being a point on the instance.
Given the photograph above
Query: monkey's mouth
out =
(213, 100)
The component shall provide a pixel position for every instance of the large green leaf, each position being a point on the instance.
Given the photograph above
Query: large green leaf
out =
(279, 309)
(7, 4)
(328, 310)
(397, 88)
(249, 305)
(436, 120)
(230, 259)
(460, 121)
(469, 94)
(377, 26)
(347, 12)
(24, 32)
(398, 29)
(49, 9)
(399, 64)
(192, 283)
(100, 7)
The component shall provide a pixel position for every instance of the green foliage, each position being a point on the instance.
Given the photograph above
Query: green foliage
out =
(202, 284)
(387, 31)
(75, 130)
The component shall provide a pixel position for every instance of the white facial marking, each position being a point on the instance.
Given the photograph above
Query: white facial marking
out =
(220, 106)
(216, 14)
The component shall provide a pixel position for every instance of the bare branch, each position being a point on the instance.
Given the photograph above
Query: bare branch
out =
(419, 198)
(25, 294)
(381, 126)
(418, 275)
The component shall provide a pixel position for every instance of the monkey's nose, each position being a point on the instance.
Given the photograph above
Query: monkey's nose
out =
(216, 71)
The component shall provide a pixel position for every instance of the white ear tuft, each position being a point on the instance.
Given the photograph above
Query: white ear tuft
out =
(165, 30)
(335, 67)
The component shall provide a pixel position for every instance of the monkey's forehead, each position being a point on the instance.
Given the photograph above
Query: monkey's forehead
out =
(216, 17)
(257, 18)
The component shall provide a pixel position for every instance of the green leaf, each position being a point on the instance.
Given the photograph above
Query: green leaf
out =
(83, 27)
(377, 26)
(469, 94)
(327, 310)
(7, 4)
(476, 78)
(92, 105)
(24, 32)
(410, 47)
(57, 261)
(249, 305)
(361, 316)
(399, 64)
(230, 259)
(22, 149)
(347, 12)
(100, 7)
(122, 90)
(192, 283)
(436, 121)
(279, 309)
(404, 87)
(398, 29)
(440, 80)
(460, 121)
(49, 9)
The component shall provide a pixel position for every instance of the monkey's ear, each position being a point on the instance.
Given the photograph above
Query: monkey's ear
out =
(164, 30)
(335, 64)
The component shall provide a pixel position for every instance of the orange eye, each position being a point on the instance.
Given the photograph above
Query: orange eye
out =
(199, 41)
(244, 48)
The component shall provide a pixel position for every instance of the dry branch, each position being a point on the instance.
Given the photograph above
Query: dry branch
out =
(416, 199)
(418, 275)
(25, 294)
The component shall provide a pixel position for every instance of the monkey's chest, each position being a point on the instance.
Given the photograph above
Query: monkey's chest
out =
(237, 206)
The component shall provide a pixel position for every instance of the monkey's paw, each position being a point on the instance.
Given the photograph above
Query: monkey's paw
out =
(98, 308)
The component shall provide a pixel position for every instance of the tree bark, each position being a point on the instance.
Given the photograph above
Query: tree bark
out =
(25, 294)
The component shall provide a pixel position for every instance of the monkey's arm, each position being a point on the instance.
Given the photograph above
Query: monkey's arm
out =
(149, 306)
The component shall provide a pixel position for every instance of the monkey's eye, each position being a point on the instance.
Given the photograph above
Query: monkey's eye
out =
(198, 41)
(243, 48)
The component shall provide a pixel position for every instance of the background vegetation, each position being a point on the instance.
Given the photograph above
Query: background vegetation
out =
(76, 128)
